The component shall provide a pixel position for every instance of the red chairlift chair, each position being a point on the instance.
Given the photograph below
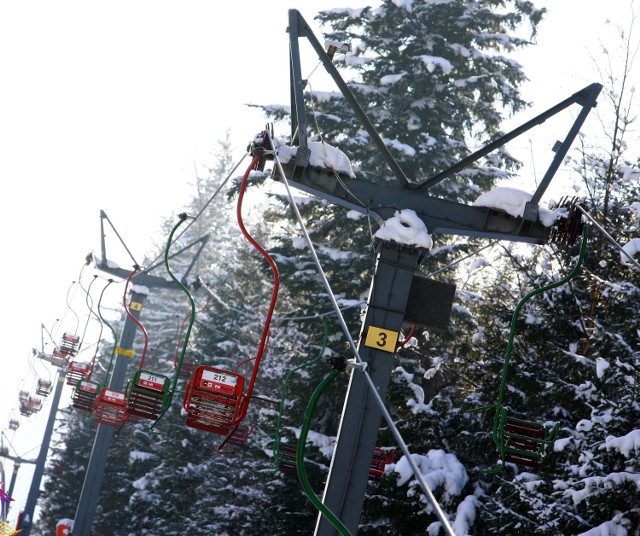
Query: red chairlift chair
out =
(78, 371)
(30, 406)
(14, 424)
(59, 358)
(381, 458)
(69, 344)
(111, 407)
(213, 400)
(44, 387)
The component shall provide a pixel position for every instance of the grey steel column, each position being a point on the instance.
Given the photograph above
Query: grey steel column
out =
(90, 494)
(349, 472)
(34, 490)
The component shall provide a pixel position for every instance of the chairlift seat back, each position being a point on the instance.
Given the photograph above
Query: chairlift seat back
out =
(44, 387)
(69, 343)
(84, 395)
(59, 358)
(524, 442)
(78, 371)
(147, 394)
(111, 407)
(212, 400)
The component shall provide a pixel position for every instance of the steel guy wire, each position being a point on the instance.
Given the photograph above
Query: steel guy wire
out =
(608, 236)
(194, 218)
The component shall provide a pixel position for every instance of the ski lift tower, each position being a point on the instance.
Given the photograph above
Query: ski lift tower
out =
(17, 462)
(90, 494)
(395, 281)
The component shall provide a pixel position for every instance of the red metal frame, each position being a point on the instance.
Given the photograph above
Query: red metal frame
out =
(69, 344)
(77, 372)
(59, 358)
(111, 407)
(381, 458)
(214, 401)
(44, 387)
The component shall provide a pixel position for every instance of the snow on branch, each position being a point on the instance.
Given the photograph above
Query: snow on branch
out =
(627, 445)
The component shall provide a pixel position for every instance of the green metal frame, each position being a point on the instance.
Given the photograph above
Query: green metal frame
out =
(144, 401)
(504, 438)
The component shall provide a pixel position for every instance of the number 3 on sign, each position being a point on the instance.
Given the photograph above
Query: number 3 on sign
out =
(381, 339)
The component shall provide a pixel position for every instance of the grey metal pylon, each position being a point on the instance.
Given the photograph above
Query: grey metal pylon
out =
(34, 491)
(94, 475)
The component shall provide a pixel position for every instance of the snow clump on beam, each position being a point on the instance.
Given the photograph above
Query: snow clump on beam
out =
(405, 227)
(323, 155)
(513, 202)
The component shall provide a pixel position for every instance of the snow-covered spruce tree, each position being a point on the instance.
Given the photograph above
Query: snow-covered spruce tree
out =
(575, 353)
(66, 465)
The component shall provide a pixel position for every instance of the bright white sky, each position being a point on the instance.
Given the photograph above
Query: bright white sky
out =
(114, 105)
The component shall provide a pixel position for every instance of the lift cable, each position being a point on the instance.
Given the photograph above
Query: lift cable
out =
(115, 336)
(284, 317)
(157, 261)
(608, 236)
(359, 363)
(461, 259)
(89, 301)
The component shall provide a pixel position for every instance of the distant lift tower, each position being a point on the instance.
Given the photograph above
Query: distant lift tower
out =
(17, 462)
(90, 494)
(395, 281)
(26, 519)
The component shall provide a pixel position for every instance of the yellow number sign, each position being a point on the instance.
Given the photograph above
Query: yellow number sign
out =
(381, 339)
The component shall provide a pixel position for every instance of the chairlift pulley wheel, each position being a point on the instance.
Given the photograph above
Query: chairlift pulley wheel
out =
(568, 227)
